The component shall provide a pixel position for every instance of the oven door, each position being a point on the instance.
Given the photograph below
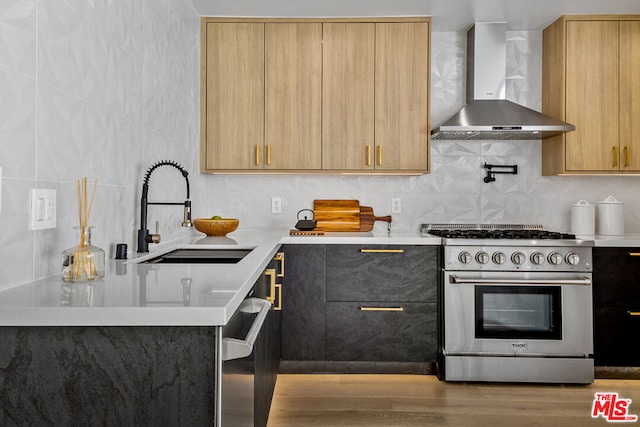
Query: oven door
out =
(523, 313)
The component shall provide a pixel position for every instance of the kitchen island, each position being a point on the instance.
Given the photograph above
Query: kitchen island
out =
(139, 347)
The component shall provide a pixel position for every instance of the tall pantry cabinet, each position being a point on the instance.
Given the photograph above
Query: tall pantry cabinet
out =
(315, 95)
(590, 80)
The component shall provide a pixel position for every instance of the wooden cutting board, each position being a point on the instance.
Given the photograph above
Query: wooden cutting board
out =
(337, 215)
(367, 218)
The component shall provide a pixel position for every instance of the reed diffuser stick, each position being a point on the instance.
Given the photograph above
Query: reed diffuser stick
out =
(83, 266)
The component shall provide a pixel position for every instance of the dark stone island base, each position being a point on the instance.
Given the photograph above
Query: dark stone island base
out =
(87, 376)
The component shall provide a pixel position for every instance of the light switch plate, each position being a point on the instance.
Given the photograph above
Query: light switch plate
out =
(43, 209)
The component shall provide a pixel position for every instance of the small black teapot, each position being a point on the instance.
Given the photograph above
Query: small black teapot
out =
(306, 224)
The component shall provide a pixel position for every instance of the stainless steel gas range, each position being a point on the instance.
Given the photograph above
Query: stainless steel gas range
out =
(515, 304)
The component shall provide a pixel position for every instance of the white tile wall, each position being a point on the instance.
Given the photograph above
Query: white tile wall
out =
(100, 89)
(103, 89)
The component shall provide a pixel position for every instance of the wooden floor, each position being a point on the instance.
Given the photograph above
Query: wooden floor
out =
(422, 400)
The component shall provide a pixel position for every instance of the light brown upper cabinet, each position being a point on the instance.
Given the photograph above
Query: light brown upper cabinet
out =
(293, 76)
(338, 95)
(348, 96)
(402, 96)
(232, 111)
(590, 67)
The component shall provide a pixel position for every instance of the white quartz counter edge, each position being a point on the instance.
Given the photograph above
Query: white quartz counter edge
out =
(22, 305)
(627, 240)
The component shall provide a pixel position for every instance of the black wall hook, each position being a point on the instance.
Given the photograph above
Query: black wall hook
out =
(513, 169)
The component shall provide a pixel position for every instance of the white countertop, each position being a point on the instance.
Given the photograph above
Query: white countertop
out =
(133, 294)
(627, 240)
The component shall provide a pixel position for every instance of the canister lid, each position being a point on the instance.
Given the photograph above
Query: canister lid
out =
(583, 203)
(611, 200)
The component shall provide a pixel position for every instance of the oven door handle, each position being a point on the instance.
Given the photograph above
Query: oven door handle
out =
(582, 281)
(233, 348)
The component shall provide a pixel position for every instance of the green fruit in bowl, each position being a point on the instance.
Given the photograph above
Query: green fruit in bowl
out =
(216, 217)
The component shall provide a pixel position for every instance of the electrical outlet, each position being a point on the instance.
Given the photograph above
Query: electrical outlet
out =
(43, 209)
(396, 205)
(276, 205)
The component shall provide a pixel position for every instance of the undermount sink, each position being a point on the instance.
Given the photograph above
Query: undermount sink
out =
(200, 256)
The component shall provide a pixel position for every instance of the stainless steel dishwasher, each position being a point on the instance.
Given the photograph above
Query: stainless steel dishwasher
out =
(251, 357)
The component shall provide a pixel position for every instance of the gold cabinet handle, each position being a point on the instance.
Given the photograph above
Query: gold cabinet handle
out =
(382, 251)
(268, 154)
(615, 156)
(280, 258)
(379, 155)
(278, 289)
(627, 156)
(634, 254)
(381, 309)
(633, 313)
(257, 155)
(274, 288)
(368, 155)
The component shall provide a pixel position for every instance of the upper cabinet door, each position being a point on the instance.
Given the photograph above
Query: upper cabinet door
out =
(402, 72)
(629, 95)
(592, 95)
(234, 84)
(293, 75)
(348, 96)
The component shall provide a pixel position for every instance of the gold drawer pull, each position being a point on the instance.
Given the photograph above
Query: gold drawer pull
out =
(381, 309)
(615, 156)
(274, 288)
(634, 253)
(382, 251)
(633, 313)
(280, 258)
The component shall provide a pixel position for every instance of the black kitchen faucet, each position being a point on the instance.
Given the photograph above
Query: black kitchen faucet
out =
(144, 237)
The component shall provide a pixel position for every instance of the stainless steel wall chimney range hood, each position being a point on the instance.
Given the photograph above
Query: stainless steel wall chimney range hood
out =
(488, 115)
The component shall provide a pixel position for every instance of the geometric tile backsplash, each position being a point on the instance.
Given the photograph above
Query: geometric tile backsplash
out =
(104, 89)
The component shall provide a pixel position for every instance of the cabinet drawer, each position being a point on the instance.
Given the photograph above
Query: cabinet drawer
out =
(617, 336)
(391, 336)
(382, 273)
(616, 277)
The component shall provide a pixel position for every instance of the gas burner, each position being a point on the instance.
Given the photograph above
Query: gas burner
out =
(501, 234)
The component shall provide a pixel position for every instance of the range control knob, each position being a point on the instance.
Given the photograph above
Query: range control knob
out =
(537, 258)
(482, 257)
(465, 257)
(498, 257)
(518, 258)
(555, 258)
(572, 259)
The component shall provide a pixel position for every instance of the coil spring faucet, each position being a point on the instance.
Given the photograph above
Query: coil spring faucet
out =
(144, 238)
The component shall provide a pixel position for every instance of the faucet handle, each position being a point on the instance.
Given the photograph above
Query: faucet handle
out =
(155, 238)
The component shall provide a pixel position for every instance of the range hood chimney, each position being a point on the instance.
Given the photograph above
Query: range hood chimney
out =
(488, 115)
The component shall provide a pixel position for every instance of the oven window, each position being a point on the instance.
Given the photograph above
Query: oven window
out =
(521, 312)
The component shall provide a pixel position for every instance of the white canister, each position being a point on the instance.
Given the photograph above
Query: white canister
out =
(583, 219)
(611, 217)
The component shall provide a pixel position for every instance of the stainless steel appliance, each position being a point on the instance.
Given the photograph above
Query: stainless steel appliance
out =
(488, 114)
(251, 349)
(515, 304)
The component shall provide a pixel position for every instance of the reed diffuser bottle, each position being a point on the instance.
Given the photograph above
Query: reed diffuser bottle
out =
(83, 262)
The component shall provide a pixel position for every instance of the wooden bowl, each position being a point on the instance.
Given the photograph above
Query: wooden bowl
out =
(215, 227)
